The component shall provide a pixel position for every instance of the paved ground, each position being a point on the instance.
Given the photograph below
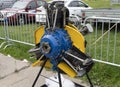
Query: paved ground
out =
(16, 73)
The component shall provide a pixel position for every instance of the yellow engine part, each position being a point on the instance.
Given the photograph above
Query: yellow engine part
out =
(67, 69)
(40, 62)
(76, 37)
(71, 25)
(38, 34)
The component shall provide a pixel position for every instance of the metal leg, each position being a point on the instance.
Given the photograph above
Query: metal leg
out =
(91, 85)
(59, 78)
(39, 72)
(44, 86)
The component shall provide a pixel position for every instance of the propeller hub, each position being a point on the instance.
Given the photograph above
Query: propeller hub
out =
(45, 47)
(54, 43)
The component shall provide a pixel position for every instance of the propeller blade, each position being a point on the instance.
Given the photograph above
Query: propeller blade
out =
(76, 37)
(38, 34)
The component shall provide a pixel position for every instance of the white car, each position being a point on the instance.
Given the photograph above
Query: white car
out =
(74, 6)
(6, 3)
(40, 15)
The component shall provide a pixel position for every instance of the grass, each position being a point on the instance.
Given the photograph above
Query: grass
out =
(18, 51)
(101, 4)
(105, 75)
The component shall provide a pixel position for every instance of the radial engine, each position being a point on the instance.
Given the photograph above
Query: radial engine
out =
(61, 44)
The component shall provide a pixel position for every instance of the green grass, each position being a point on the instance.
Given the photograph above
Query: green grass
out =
(101, 4)
(105, 75)
(18, 51)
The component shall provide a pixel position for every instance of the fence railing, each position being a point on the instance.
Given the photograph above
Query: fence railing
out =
(102, 44)
(115, 2)
(18, 27)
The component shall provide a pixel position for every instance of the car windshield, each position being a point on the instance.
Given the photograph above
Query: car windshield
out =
(20, 4)
(77, 4)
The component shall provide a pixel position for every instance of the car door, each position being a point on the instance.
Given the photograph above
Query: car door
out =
(75, 7)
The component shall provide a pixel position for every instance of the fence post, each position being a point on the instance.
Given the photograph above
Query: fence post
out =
(7, 41)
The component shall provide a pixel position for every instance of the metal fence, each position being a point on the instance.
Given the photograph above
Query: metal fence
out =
(102, 44)
(115, 2)
(17, 27)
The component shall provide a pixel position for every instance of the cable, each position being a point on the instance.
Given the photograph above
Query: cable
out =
(49, 79)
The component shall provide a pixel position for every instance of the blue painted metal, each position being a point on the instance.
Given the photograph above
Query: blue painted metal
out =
(59, 42)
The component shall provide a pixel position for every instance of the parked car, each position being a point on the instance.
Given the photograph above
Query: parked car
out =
(6, 3)
(22, 11)
(74, 6)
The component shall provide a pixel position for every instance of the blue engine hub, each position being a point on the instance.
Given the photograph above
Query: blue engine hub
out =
(53, 43)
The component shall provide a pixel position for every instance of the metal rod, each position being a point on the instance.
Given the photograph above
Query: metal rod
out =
(74, 56)
(104, 62)
(59, 78)
(56, 13)
(91, 85)
(50, 79)
(47, 19)
(39, 72)
(69, 64)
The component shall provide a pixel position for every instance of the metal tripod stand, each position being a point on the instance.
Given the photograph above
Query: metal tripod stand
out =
(59, 77)
(39, 73)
